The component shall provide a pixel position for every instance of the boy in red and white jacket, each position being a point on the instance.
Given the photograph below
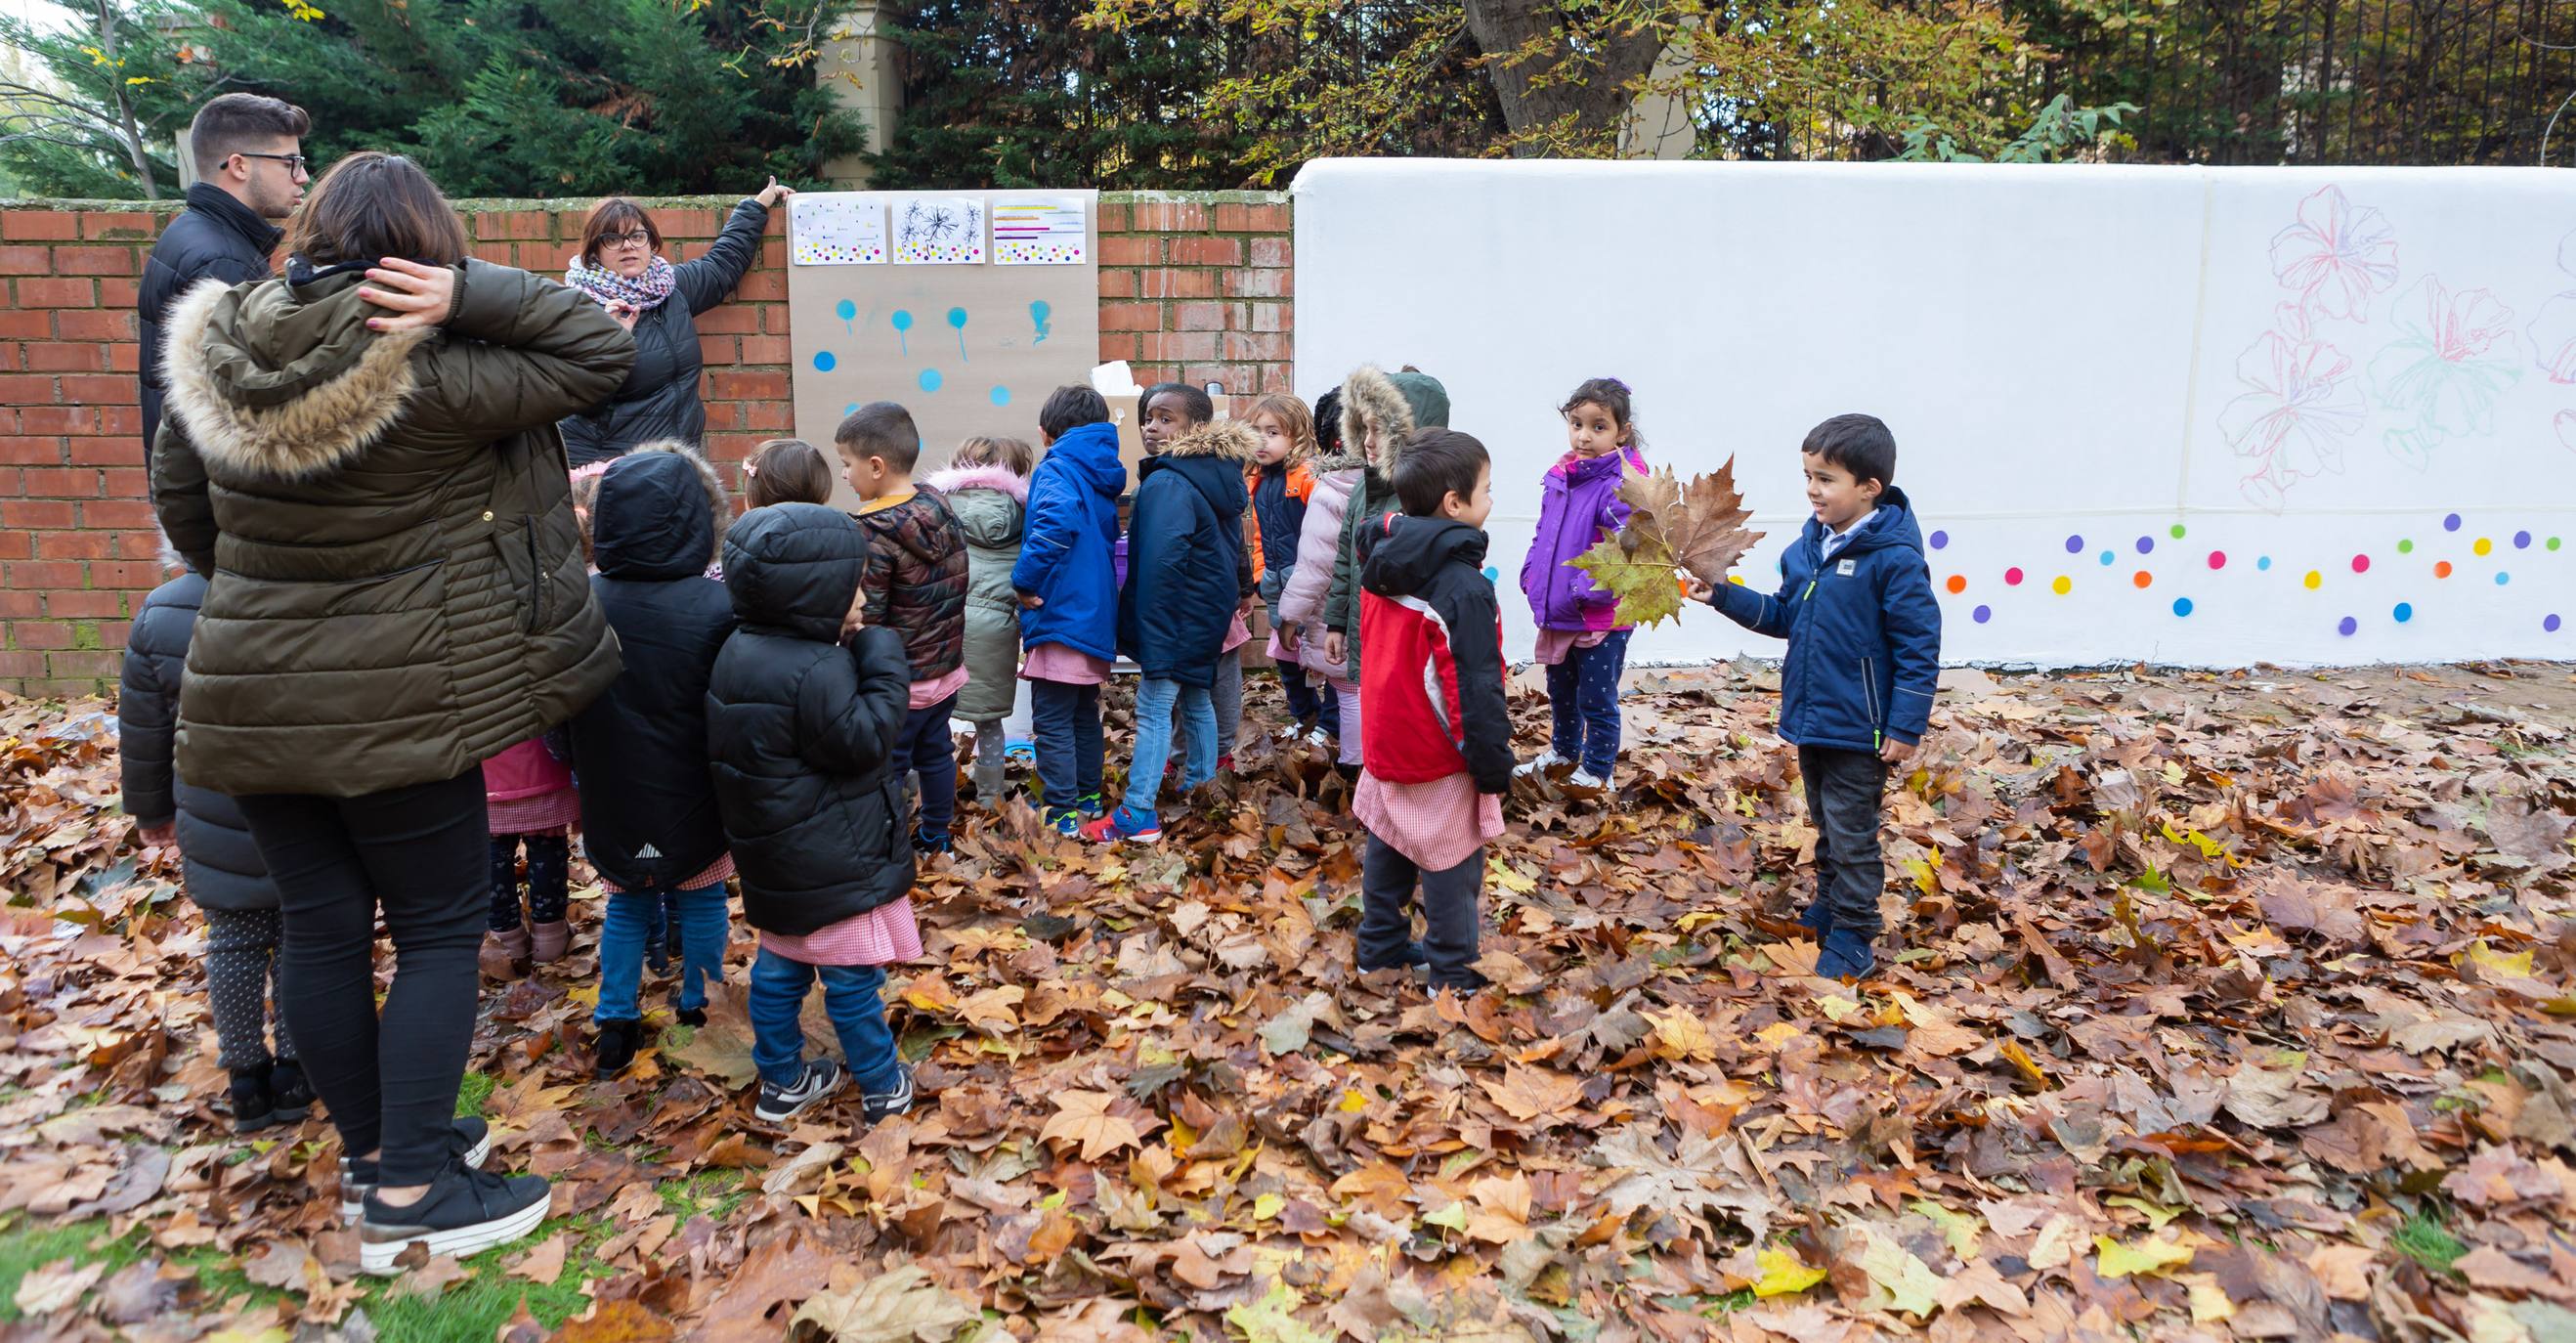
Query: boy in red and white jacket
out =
(1436, 735)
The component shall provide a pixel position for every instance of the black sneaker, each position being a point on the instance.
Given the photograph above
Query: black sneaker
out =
(287, 1087)
(616, 1047)
(1410, 956)
(466, 1211)
(821, 1078)
(690, 1016)
(877, 1105)
(253, 1107)
(469, 1142)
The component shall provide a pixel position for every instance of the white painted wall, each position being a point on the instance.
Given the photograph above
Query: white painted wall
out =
(2328, 415)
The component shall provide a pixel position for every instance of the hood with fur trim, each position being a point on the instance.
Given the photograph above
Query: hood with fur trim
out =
(988, 476)
(283, 380)
(1217, 438)
(1395, 404)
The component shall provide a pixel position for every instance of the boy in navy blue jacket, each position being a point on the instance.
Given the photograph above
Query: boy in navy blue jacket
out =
(1855, 603)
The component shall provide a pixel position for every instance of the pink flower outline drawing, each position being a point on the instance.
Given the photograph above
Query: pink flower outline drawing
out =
(2292, 420)
(2553, 330)
(2337, 256)
(2444, 372)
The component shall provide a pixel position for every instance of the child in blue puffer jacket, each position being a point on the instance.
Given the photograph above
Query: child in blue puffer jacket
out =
(1069, 597)
(1856, 605)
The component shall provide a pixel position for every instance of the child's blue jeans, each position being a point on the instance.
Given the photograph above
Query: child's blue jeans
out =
(702, 918)
(1154, 704)
(1583, 696)
(850, 997)
(1065, 718)
(925, 745)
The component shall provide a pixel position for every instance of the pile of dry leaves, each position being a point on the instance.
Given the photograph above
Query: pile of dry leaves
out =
(2212, 1007)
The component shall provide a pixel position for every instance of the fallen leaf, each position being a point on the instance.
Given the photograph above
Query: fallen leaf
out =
(56, 1286)
(899, 1306)
(2151, 1256)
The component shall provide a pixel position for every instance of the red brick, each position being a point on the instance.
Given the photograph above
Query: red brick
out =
(1168, 346)
(1234, 218)
(18, 665)
(1207, 251)
(118, 224)
(1258, 283)
(39, 513)
(63, 357)
(21, 605)
(137, 545)
(116, 514)
(57, 292)
(62, 689)
(46, 225)
(114, 292)
(1177, 283)
(26, 261)
(60, 483)
(1131, 251)
(84, 604)
(1270, 252)
(41, 633)
(716, 350)
(724, 414)
(1274, 317)
(1271, 219)
(516, 224)
(59, 420)
(135, 575)
(127, 420)
(767, 350)
(107, 450)
(773, 417)
(15, 545)
(689, 224)
(773, 318)
(1278, 377)
(75, 545)
(37, 451)
(1120, 345)
(1114, 217)
(1185, 317)
(16, 324)
(1231, 377)
(94, 261)
(92, 389)
(1170, 216)
(97, 324)
(20, 389)
(90, 662)
(763, 285)
(1251, 345)
(736, 385)
(124, 357)
(1124, 317)
(1117, 284)
(729, 319)
(133, 484)
(498, 253)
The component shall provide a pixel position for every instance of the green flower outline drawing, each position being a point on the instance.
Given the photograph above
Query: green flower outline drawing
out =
(2445, 372)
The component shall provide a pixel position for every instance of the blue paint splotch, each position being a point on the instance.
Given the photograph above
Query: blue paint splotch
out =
(930, 380)
(902, 320)
(824, 360)
(848, 312)
(1039, 311)
(1001, 395)
(957, 319)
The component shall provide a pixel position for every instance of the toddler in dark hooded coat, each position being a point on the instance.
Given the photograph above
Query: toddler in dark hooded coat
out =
(648, 800)
(802, 731)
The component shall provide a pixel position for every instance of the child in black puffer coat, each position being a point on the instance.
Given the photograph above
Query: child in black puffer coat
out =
(802, 731)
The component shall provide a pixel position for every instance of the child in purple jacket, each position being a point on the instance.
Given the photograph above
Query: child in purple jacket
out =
(1580, 639)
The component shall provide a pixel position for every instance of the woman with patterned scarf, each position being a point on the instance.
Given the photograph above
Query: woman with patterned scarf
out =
(621, 265)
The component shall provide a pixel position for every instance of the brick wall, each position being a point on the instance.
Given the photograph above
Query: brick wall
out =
(1191, 287)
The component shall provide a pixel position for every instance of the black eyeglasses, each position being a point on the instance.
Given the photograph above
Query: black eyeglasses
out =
(295, 163)
(638, 238)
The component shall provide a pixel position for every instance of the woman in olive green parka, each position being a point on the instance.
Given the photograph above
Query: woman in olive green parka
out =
(361, 457)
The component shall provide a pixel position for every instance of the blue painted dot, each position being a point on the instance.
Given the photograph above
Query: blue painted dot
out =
(823, 361)
(2107, 557)
(1001, 395)
(2075, 545)
(2503, 578)
(2347, 626)
(845, 310)
(1492, 574)
(1983, 614)
(2146, 544)
(929, 380)
(2451, 523)
(1940, 540)
(2405, 612)
(2265, 562)
(2549, 623)
(2182, 606)
(2522, 540)
(850, 409)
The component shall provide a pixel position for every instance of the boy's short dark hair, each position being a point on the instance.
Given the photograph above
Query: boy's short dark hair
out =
(881, 429)
(1194, 400)
(1070, 407)
(1859, 444)
(235, 123)
(1328, 423)
(1437, 463)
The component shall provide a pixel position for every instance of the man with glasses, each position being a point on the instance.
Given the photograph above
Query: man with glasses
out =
(250, 175)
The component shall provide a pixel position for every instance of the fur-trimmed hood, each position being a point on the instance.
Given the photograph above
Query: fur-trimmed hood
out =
(988, 476)
(644, 524)
(279, 380)
(1396, 404)
(1217, 438)
(990, 502)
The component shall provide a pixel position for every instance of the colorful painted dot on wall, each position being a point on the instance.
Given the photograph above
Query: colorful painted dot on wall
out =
(2548, 622)
(2146, 545)
(2062, 586)
(848, 312)
(850, 409)
(2142, 578)
(2441, 568)
(2347, 625)
(2012, 577)
(929, 380)
(1001, 395)
(2107, 557)
(1958, 583)
(957, 319)
(1985, 613)
(2481, 546)
(824, 360)
(2263, 563)
(2553, 543)
(2361, 564)
(2503, 578)
(2177, 531)
(2522, 540)
(2405, 547)
(2314, 580)
(1492, 574)
(2218, 559)
(902, 320)
(2451, 522)
(2405, 612)
(1940, 540)
(2182, 606)
(2075, 545)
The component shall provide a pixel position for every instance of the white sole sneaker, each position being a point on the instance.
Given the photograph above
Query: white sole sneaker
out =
(377, 1257)
(353, 1196)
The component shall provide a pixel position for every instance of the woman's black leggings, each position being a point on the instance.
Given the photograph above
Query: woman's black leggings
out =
(418, 853)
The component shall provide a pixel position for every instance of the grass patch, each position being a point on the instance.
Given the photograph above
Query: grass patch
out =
(2426, 1241)
(475, 1089)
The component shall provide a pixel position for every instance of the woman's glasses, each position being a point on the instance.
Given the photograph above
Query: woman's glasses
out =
(638, 238)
